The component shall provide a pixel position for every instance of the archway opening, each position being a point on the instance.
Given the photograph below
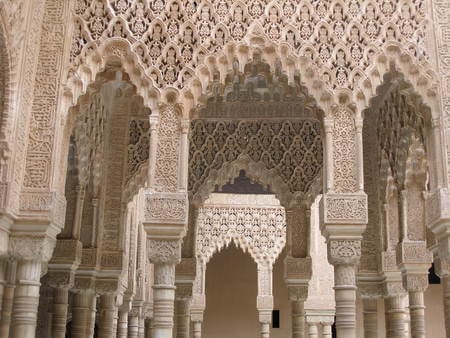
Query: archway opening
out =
(231, 290)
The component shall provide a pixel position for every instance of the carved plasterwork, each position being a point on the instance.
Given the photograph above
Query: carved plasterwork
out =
(342, 42)
(344, 208)
(260, 230)
(291, 149)
(165, 208)
(31, 247)
(344, 252)
(164, 251)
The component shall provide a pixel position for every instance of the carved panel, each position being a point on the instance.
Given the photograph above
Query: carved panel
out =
(165, 208)
(344, 208)
(164, 251)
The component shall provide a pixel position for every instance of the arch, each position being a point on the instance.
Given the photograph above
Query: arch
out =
(420, 76)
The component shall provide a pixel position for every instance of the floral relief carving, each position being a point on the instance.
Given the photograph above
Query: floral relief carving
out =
(166, 208)
(344, 251)
(153, 26)
(164, 252)
(345, 208)
(259, 230)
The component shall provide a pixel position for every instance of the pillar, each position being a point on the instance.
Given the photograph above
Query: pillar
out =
(60, 304)
(141, 332)
(396, 316)
(326, 330)
(26, 299)
(197, 329)
(370, 311)
(122, 326)
(8, 298)
(264, 300)
(445, 281)
(183, 317)
(313, 330)
(108, 313)
(298, 319)
(133, 323)
(83, 302)
(163, 300)
(417, 313)
(3, 266)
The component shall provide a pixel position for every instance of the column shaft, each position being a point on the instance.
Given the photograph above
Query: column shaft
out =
(417, 314)
(326, 330)
(108, 314)
(298, 319)
(396, 317)
(370, 318)
(8, 298)
(446, 286)
(345, 295)
(163, 300)
(141, 333)
(133, 326)
(122, 327)
(183, 318)
(313, 330)
(197, 329)
(26, 299)
(60, 304)
(82, 314)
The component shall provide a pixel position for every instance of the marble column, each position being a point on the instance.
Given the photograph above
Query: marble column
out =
(345, 295)
(370, 311)
(133, 323)
(417, 313)
(8, 298)
(26, 299)
(141, 332)
(82, 319)
(298, 318)
(445, 281)
(122, 326)
(163, 300)
(107, 311)
(183, 317)
(396, 316)
(326, 330)
(3, 266)
(197, 329)
(313, 330)
(60, 305)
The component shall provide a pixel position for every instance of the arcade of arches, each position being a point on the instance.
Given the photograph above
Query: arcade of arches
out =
(224, 168)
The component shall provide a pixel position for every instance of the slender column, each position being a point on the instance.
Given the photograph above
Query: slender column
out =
(197, 329)
(345, 294)
(8, 298)
(370, 310)
(92, 315)
(148, 328)
(326, 330)
(445, 280)
(108, 313)
(298, 319)
(313, 330)
(122, 327)
(417, 314)
(26, 299)
(76, 228)
(184, 155)
(183, 317)
(141, 333)
(395, 312)
(82, 315)
(60, 304)
(153, 145)
(3, 266)
(133, 323)
(163, 300)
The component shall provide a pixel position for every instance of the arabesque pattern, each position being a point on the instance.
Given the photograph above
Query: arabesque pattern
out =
(172, 37)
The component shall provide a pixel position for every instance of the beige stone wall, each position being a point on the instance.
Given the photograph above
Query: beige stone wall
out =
(231, 297)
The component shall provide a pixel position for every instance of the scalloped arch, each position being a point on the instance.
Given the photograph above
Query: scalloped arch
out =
(420, 76)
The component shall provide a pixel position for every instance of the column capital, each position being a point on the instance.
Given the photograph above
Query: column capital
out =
(415, 282)
(344, 251)
(297, 292)
(32, 247)
(60, 279)
(164, 251)
(297, 270)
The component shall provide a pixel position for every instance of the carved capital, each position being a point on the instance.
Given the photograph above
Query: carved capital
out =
(106, 286)
(264, 303)
(60, 279)
(343, 251)
(394, 288)
(67, 252)
(415, 282)
(31, 247)
(183, 291)
(162, 251)
(297, 270)
(297, 292)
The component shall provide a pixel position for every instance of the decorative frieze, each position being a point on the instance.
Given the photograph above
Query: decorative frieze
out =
(344, 209)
